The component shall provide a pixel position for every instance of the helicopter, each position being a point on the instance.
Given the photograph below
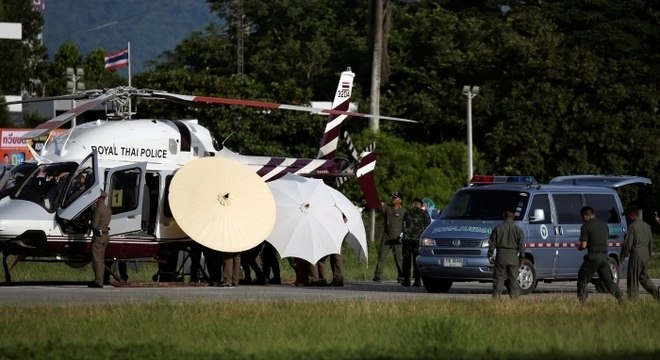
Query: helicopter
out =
(46, 203)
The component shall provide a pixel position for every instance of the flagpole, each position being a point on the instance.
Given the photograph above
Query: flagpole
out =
(129, 79)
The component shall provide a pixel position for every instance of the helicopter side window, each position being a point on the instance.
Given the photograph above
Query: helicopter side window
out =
(82, 180)
(124, 190)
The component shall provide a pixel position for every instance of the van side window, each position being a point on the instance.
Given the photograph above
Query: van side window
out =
(540, 202)
(605, 207)
(568, 208)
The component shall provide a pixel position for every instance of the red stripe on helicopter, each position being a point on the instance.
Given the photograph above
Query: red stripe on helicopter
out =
(293, 168)
(270, 165)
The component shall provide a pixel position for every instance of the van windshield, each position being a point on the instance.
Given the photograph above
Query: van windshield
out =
(484, 204)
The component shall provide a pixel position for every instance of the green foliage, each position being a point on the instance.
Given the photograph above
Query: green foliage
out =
(364, 329)
(18, 59)
(418, 170)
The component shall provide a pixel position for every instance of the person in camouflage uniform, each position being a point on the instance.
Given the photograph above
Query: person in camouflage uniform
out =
(637, 246)
(508, 239)
(391, 241)
(415, 222)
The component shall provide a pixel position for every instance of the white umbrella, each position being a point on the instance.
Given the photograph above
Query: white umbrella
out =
(357, 238)
(308, 225)
(222, 204)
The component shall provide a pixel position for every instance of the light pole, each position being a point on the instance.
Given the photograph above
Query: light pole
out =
(74, 85)
(469, 92)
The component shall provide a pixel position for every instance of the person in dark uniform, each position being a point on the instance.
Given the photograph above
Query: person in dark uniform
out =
(391, 239)
(594, 234)
(637, 246)
(249, 261)
(270, 262)
(100, 238)
(414, 223)
(508, 239)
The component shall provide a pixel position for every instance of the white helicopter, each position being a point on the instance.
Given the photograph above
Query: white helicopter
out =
(45, 204)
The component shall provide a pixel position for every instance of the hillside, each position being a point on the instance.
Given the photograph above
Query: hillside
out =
(152, 27)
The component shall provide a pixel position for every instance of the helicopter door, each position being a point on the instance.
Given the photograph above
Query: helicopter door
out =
(83, 188)
(125, 187)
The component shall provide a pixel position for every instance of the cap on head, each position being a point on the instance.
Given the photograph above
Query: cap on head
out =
(397, 195)
(103, 194)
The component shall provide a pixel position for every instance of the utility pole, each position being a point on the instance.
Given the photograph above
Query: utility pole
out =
(238, 14)
(377, 29)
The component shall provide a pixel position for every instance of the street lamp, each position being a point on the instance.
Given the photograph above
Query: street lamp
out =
(74, 85)
(469, 92)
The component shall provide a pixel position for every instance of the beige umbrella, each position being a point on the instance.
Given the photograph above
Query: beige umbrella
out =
(222, 204)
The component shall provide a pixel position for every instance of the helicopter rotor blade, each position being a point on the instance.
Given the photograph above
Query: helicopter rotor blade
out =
(206, 100)
(64, 118)
(77, 96)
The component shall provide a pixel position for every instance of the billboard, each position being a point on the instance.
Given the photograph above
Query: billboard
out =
(13, 149)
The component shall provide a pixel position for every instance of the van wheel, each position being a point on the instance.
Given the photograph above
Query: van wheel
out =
(437, 285)
(527, 277)
(614, 268)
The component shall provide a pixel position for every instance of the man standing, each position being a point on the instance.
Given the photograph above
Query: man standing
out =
(100, 238)
(593, 237)
(637, 245)
(414, 223)
(508, 239)
(391, 239)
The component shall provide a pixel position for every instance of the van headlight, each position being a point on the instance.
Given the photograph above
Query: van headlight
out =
(484, 244)
(427, 242)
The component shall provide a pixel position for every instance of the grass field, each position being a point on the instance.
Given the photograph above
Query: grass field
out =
(359, 329)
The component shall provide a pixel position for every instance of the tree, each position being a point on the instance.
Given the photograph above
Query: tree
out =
(20, 57)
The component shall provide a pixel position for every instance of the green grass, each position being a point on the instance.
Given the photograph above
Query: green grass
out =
(359, 329)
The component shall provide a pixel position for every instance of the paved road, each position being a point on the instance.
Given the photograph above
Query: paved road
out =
(65, 294)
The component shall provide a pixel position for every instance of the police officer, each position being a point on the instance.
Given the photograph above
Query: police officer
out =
(508, 239)
(391, 240)
(414, 222)
(100, 238)
(594, 234)
(637, 245)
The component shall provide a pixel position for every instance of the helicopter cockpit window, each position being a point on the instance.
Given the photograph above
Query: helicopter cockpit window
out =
(14, 178)
(81, 181)
(45, 184)
(124, 190)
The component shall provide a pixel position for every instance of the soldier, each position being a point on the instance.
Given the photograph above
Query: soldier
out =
(594, 234)
(637, 245)
(508, 239)
(391, 239)
(100, 239)
(414, 223)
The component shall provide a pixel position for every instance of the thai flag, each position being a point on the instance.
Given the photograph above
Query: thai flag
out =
(116, 60)
(345, 85)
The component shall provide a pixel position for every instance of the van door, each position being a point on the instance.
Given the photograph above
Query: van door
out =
(607, 208)
(541, 235)
(569, 223)
(125, 187)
